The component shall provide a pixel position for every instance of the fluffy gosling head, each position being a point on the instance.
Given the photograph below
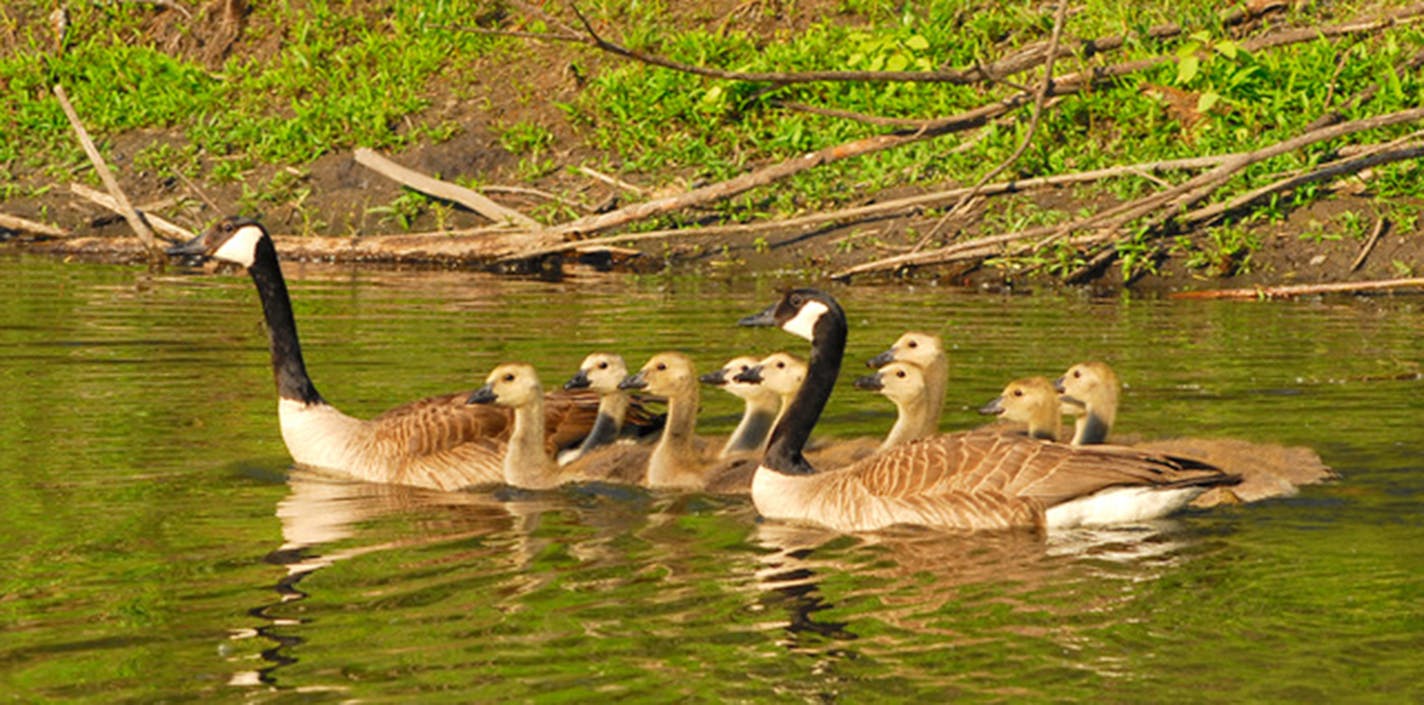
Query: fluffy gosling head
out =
(1032, 401)
(1094, 384)
(915, 347)
(666, 374)
(725, 378)
(900, 382)
(512, 384)
(780, 373)
(601, 372)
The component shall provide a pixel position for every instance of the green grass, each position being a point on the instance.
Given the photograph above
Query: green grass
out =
(338, 75)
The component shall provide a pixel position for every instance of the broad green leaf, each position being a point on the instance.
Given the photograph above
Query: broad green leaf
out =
(1206, 100)
(918, 43)
(1187, 69)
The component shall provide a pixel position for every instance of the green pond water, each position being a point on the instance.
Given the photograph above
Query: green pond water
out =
(158, 546)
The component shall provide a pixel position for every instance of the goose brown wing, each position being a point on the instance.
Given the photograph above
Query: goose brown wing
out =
(1015, 466)
(439, 423)
(568, 416)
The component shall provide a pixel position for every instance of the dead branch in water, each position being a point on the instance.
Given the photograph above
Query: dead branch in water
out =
(443, 190)
(23, 225)
(121, 200)
(1280, 292)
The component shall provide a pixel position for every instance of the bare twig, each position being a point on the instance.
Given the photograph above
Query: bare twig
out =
(441, 189)
(24, 225)
(1369, 246)
(1039, 100)
(611, 181)
(121, 200)
(1277, 292)
(103, 199)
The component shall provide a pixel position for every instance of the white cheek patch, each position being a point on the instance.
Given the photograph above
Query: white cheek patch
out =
(241, 248)
(804, 324)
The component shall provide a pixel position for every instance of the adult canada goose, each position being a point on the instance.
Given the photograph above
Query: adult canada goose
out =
(973, 480)
(438, 442)
(600, 372)
(762, 406)
(679, 459)
(904, 384)
(927, 351)
(1033, 402)
(784, 374)
(1266, 469)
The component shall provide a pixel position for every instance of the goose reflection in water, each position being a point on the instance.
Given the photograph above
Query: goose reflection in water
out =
(326, 520)
(915, 576)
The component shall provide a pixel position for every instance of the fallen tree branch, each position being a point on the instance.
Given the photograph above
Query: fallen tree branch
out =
(886, 208)
(444, 190)
(173, 230)
(1168, 201)
(1278, 292)
(24, 225)
(121, 200)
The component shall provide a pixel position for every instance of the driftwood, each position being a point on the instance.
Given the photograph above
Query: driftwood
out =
(121, 200)
(425, 249)
(1280, 292)
(444, 190)
(24, 225)
(172, 230)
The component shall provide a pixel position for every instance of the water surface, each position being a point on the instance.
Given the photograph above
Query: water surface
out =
(161, 549)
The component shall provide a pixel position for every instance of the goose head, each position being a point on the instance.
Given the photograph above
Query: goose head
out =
(668, 374)
(780, 373)
(915, 347)
(1032, 401)
(725, 378)
(513, 384)
(233, 239)
(1094, 384)
(800, 312)
(601, 372)
(900, 382)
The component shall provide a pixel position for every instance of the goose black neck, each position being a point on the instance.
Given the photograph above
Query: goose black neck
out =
(789, 438)
(287, 365)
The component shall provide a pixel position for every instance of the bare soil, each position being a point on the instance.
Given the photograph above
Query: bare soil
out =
(335, 197)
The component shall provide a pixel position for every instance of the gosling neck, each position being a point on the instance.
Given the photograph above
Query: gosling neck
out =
(911, 424)
(612, 408)
(936, 381)
(675, 462)
(526, 464)
(751, 432)
(1091, 429)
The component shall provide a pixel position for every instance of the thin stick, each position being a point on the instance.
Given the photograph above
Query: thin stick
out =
(1277, 292)
(171, 229)
(1039, 100)
(23, 225)
(611, 181)
(121, 200)
(441, 189)
(1369, 244)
